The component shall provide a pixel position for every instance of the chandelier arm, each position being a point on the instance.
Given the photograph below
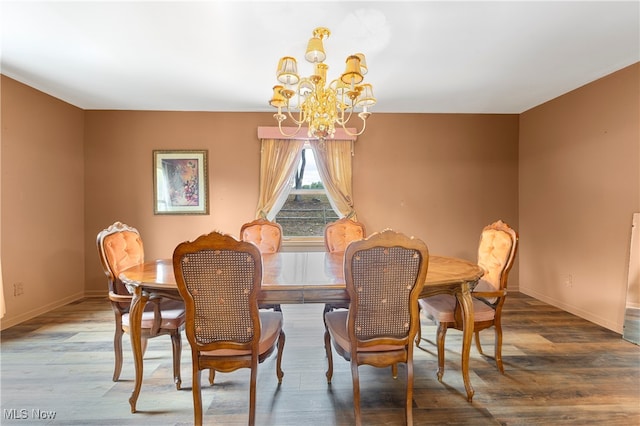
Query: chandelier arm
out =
(298, 121)
(301, 118)
(364, 126)
(343, 121)
(295, 132)
(350, 109)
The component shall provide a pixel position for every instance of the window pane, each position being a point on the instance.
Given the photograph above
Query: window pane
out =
(307, 209)
(305, 215)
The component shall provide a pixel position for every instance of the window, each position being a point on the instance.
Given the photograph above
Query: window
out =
(280, 162)
(307, 208)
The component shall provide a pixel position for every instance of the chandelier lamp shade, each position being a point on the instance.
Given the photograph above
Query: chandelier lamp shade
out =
(316, 103)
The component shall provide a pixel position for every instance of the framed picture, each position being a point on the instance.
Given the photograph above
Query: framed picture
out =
(180, 182)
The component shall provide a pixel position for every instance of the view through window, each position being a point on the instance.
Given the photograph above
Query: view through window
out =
(307, 209)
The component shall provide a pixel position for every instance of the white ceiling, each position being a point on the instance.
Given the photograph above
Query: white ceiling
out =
(423, 56)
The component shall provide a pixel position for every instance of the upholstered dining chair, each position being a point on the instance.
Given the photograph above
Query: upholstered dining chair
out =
(496, 253)
(119, 247)
(384, 275)
(267, 236)
(219, 278)
(337, 236)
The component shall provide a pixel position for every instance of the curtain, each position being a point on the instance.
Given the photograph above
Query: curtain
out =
(278, 161)
(334, 161)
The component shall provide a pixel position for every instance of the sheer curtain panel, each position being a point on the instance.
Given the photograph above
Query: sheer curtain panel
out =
(278, 161)
(334, 161)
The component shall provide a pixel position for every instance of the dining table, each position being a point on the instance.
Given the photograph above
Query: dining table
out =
(290, 277)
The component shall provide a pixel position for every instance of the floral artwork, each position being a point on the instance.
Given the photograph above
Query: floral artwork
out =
(180, 182)
(182, 176)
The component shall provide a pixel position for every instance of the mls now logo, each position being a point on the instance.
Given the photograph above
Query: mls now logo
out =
(16, 414)
(24, 414)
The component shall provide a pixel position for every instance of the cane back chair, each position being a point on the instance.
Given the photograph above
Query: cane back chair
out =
(384, 275)
(219, 278)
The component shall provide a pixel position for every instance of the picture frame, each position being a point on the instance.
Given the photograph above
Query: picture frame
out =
(180, 182)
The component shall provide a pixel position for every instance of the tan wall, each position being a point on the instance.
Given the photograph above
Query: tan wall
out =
(579, 186)
(438, 177)
(42, 170)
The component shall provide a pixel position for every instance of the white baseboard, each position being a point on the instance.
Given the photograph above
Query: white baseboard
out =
(95, 293)
(25, 316)
(573, 310)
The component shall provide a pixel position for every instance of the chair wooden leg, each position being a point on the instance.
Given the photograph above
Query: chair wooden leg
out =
(419, 334)
(442, 332)
(409, 404)
(252, 391)
(197, 397)
(176, 343)
(327, 348)
(117, 348)
(279, 372)
(498, 343)
(356, 392)
(212, 376)
(394, 371)
(477, 339)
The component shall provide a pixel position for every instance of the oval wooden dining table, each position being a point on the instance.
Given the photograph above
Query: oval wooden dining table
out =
(301, 277)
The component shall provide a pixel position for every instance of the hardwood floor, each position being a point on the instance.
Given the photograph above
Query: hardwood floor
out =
(559, 369)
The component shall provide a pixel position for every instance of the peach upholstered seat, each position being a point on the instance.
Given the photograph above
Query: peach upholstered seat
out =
(384, 275)
(338, 234)
(265, 234)
(120, 247)
(219, 279)
(496, 252)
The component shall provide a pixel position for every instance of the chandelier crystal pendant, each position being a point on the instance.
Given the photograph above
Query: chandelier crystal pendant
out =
(311, 101)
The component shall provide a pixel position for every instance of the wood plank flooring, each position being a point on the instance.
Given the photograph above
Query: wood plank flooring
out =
(559, 369)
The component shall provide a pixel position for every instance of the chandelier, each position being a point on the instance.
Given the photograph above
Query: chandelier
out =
(311, 101)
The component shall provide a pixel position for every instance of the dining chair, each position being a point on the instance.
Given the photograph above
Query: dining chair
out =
(337, 236)
(496, 253)
(267, 236)
(219, 279)
(384, 275)
(120, 247)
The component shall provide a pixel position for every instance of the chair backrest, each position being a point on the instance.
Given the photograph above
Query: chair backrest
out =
(384, 276)
(338, 234)
(219, 279)
(496, 252)
(119, 247)
(265, 234)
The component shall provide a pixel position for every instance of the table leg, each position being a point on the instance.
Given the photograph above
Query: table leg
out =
(466, 303)
(138, 302)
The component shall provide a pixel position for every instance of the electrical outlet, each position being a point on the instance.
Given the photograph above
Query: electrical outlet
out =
(568, 281)
(18, 289)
